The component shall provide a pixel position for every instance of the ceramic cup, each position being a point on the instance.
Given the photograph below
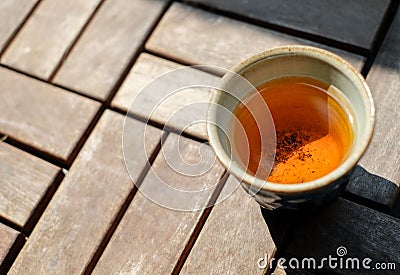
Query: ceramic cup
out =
(292, 61)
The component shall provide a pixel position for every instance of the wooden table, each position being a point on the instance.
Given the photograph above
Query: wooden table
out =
(69, 71)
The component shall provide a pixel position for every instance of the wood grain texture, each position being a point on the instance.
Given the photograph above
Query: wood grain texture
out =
(85, 205)
(11, 15)
(106, 47)
(7, 238)
(150, 238)
(197, 37)
(42, 42)
(42, 116)
(381, 158)
(236, 235)
(23, 182)
(172, 109)
(362, 231)
(355, 22)
(372, 187)
(288, 271)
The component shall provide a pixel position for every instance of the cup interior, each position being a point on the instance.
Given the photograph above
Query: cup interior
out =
(353, 94)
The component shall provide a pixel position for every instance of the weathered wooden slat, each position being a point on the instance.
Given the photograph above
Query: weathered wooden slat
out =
(42, 42)
(363, 232)
(86, 203)
(106, 47)
(192, 101)
(381, 157)
(234, 237)
(42, 116)
(354, 22)
(372, 187)
(288, 271)
(7, 238)
(150, 238)
(11, 15)
(23, 182)
(198, 37)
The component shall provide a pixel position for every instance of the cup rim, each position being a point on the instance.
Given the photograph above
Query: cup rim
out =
(351, 161)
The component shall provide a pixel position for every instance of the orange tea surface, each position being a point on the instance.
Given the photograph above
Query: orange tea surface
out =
(313, 132)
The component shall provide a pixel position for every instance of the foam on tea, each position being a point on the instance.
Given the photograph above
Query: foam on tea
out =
(313, 131)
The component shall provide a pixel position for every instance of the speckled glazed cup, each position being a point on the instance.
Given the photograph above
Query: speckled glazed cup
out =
(295, 61)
